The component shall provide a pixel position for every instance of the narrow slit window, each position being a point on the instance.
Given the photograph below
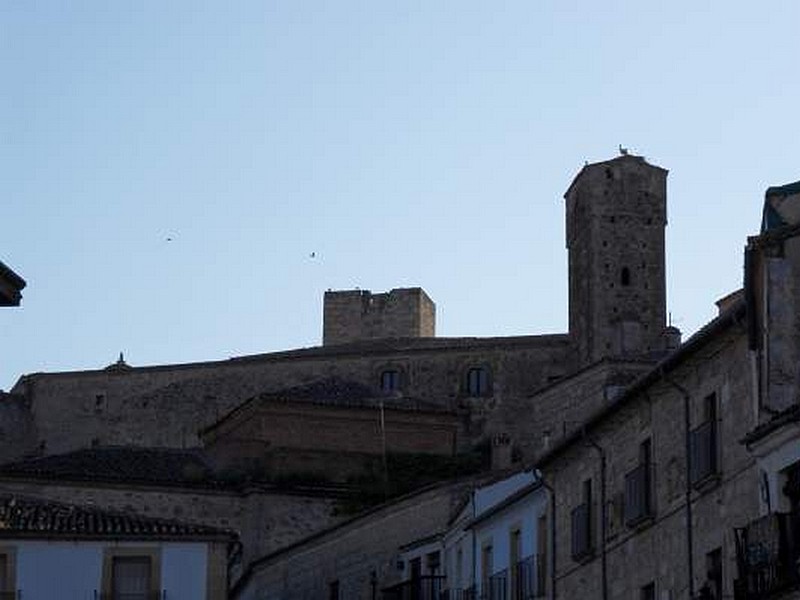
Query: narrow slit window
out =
(625, 276)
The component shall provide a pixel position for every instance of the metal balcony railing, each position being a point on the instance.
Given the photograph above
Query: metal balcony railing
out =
(528, 576)
(768, 556)
(426, 587)
(162, 595)
(495, 587)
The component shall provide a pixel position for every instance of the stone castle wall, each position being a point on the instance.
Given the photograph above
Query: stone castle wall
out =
(167, 406)
(361, 315)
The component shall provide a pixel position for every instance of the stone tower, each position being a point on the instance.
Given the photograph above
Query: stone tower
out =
(616, 215)
(356, 315)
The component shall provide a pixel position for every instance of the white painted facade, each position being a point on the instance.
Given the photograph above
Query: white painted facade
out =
(496, 515)
(73, 570)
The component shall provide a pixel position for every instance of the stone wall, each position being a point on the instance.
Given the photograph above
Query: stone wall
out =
(356, 555)
(333, 442)
(655, 549)
(266, 520)
(166, 406)
(539, 422)
(355, 315)
(616, 216)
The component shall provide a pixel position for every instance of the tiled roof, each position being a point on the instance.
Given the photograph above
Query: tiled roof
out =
(161, 466)
(335, 392)
(34, 518)
(778, 420)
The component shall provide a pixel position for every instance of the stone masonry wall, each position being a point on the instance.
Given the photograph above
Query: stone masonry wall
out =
(167, 406)
(352, 553)
(265, 521)
(656, 549)
(355, 315)
(560, 409)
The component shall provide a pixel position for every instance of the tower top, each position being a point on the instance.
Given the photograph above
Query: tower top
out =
(623, 161)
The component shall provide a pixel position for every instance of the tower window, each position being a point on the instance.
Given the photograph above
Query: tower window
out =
(625, 276)
(390, 380)
(478, 381)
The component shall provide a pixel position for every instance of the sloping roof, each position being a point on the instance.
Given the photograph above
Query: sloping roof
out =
(36, 518)
(778, 420)
(11, 285)
(333, 392)
(125, 464)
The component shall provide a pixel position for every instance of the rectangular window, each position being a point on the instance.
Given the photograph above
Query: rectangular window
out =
(333, 590)
(582, 522)
(515, 554)
(8, 572)
(131, 573)
(714, 573)
(131, 578)
(648, 592)
(703, 444)
(543, 535)
(638, 487)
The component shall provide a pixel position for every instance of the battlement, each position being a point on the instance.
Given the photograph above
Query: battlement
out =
(353, 315)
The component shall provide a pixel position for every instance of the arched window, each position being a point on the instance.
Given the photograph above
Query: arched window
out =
(478, 381)
(625, 276)
(390, 380)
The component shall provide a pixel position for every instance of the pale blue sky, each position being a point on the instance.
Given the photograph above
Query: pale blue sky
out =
(405, 143)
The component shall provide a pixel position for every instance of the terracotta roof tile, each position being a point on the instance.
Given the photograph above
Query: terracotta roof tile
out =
(32, 517)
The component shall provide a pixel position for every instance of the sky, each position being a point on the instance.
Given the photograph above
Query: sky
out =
(167, 169)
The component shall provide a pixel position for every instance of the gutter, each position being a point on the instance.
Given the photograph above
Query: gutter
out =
(688, 494)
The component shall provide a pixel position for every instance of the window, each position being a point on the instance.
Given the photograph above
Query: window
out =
(582, 542)
(131, 577)
(625, 277)
(390, 380)
(8, 571)
(487, 561)
(333, 590)
(638, 487)
(714, 573)
(515, 554)
(478, 381)
(703, 444)
(648, 592)
(131, 573)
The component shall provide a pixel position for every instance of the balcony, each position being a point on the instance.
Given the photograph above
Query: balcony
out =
(459, 594)
(162, 595)
(529, 578)
(768, 557)
(10, 595)
(495, 587)
(582, 546)
(637, 495)
(425, 587)
(703, 453)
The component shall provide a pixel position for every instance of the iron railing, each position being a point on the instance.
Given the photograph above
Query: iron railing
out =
(425, 587)
(528, 576)
(162, 595)
(768, 556)
(10, 595)
(460, 594)
(495, 587)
